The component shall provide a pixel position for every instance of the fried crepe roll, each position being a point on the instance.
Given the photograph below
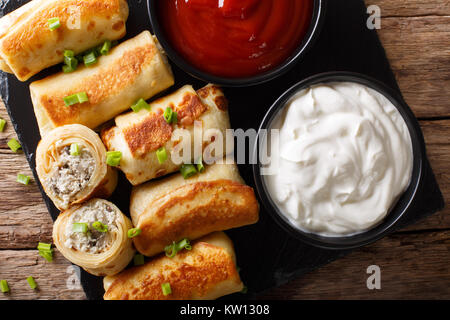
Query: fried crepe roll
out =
(133, 70)
(206, 272)
(28, 45)
(174, 208)
(70, 177)
(138, 135)
(94, 236)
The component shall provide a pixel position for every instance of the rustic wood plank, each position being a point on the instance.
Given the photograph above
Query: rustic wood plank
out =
(56, 280)
(418, 50)
(413, 266)
(411, 8)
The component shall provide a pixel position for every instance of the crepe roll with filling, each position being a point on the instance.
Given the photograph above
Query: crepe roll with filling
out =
(94, 236)
(71, 165)
(28, 44)
(173, 208)
(206, 272)
(139, 135)
(136, 69)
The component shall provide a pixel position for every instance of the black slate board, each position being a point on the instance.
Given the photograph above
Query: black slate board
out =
(267, 256)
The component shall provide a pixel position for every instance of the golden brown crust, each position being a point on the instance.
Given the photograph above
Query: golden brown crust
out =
(30, 37)
(99, 86)
(148, 135)
(206, 206)
(190, 109)
(191, 274)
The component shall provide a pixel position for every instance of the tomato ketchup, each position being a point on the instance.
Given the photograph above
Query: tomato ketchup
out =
(235, 38)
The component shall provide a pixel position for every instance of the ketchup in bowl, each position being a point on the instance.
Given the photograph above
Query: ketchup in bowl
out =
(235, 38)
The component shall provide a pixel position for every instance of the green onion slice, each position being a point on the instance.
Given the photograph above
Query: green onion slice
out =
(44, 246)
(166, 289)
(138, 260)
(134, 232)
(188, 170)
(46, 254)
(172, 249)
(2, 124)
(104, 50)
(24, 179)
(97, 225)
(4, 286)
(89, 59)
(53, 23)
(32, 283)
(200, 167)
(244, 290)
(14, 145)
(113, 158)
(161, 153)
(80, 227)
(74, 149)
(82, 97)
(139, 105)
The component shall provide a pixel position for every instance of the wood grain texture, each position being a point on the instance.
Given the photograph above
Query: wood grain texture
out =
(55, 280)
(413, 266)
(414, 262)
(418, 50)
(411, 8)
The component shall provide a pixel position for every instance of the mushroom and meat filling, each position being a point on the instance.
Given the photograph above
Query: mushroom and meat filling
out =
(93, 241)
(72, 175)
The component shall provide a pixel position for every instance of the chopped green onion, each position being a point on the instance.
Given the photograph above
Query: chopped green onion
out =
(44, 246)
(104, 50)
(69, 53)
(97, 225)
(82, 97)
(32, 283)
(172, 249)
(139, 105)
(166, 289)
(4, 286)
(200, 167)
(113, 158)
(170, 116)
(21, 178)
(45, 251)
(134, 232)
(90, 59)
(114, 43)
(244, 290)
(80, 227)
(2, 124)
(53, 23)
(71, 64)
(188, 170)
(47, 254)
(161, 153)
(14, 145)
(74, 149)
(238, 269)
(138, 260)
(71, 100)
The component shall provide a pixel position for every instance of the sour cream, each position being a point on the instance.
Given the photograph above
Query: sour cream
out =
(344, 158)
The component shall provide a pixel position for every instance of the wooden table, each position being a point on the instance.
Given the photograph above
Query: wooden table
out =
(415, 262)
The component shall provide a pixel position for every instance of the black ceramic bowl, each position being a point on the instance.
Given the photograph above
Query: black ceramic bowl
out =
(401, 208)
(308, 40)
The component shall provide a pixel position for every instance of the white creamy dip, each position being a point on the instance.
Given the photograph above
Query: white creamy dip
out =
(345, 157)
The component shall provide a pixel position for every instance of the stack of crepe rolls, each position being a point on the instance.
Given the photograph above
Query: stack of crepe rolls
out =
(138, 135)
(171, 209)
(206, 272)
(71, 179)
(99, 253)
(28, 45)
(135, 69)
